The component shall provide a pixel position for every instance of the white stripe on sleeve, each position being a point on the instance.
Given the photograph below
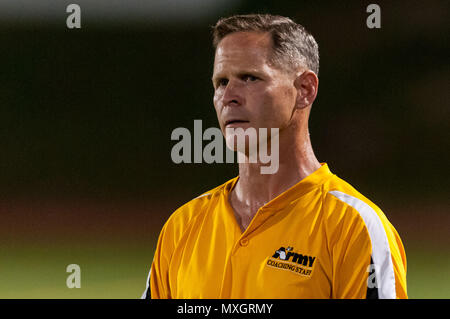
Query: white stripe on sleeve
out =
(147, 285)
(381, 253)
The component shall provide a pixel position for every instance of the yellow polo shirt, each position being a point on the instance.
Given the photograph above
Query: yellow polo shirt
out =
(319, 239)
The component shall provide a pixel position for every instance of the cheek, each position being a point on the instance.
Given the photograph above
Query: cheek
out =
(218, 108)
(286, 96)
(278, 104)
(289, 95)
(216, 102)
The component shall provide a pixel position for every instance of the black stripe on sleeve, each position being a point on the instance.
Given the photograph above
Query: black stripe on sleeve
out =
(372, 282)
(148, 294)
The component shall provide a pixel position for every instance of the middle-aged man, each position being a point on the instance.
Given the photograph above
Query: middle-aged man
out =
(301, 232)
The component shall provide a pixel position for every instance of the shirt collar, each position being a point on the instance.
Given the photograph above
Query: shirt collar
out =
(315, 179)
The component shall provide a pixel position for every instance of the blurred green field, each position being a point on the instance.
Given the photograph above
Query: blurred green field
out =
(107, 271)
(115, 250)
(428, 274)
(112, 243)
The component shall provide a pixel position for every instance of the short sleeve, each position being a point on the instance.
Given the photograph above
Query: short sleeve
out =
(159, 287)
(368, 257)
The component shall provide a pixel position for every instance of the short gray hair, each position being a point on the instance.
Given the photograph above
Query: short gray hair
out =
(293, 45)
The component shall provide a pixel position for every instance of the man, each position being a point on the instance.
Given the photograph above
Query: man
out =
(301, 232)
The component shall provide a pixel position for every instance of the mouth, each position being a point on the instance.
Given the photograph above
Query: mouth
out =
(234, 122)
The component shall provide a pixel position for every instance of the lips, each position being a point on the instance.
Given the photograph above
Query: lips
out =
(234, 122)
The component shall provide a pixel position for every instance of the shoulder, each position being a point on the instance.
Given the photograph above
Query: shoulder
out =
(188, 213)
(347, 210)
(340, 196)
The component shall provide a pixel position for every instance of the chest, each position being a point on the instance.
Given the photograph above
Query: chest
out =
(277, 256)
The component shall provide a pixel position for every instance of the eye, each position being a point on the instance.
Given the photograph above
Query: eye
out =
(249, 78)
(222, 82)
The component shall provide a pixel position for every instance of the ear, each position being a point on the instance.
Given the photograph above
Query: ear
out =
(306, 84)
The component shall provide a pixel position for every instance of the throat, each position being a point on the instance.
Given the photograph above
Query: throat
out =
(243, 212)
(243, 220)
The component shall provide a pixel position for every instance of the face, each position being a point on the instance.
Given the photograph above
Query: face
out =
(248, 90)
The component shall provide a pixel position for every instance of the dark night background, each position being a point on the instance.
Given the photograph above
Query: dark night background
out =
(86, 116)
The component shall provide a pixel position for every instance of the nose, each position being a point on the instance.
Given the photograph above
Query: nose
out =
(232, 96)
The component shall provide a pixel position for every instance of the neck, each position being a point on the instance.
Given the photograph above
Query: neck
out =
(296, 161)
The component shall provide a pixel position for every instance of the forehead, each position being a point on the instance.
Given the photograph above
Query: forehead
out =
(243, 48)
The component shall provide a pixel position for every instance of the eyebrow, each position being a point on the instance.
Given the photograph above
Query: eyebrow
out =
(240, 73)
(214, 78)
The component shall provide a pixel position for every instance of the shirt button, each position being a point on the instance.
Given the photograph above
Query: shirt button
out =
(244, 242)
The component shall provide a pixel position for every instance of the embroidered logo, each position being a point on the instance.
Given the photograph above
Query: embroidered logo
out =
(287, 259)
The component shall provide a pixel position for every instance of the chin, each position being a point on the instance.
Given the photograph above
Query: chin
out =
(242, 143)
